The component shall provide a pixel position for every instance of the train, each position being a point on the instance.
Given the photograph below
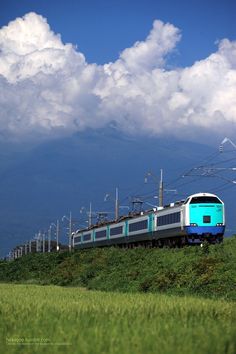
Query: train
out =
(198, 218)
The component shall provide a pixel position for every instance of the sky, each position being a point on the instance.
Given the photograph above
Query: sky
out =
(156, 69)
(138, 67)
(102, 29)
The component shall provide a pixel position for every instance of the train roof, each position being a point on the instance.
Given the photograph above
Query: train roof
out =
(146, 212)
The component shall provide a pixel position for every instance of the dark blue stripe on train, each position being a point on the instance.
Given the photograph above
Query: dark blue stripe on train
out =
(201, 230)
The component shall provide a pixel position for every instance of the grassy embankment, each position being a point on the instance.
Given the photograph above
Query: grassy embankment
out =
(209, 271)
(52, 319)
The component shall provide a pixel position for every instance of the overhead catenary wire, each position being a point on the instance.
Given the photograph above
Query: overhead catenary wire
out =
(205, 163)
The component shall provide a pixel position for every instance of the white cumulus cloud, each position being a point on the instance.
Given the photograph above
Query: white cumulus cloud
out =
(47, 88)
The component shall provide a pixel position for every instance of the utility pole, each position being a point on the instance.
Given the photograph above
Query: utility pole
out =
(90, 215)
(116, 202)
(70, 231)
(161, 186)
(161, 189)
(57, 226)
(43, 242)
(49, 238)
(117, 205)
(38, 242)
(57, 235)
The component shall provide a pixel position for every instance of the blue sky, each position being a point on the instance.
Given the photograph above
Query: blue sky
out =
(103, 28)
(138, 66)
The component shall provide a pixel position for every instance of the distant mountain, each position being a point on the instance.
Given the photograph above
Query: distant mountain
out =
(42, 183)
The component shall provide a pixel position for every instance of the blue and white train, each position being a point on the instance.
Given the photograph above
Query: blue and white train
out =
(198, 218)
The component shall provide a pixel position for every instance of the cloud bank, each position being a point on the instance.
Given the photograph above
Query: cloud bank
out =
(48, 89)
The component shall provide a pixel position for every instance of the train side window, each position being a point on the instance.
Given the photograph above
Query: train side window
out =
(101, 234)
(168, 219)
(87, 237)
(139, 225)
(77, 239)
(116, 230)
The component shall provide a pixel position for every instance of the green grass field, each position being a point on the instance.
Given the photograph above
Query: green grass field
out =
(208, 272)
(52, 319)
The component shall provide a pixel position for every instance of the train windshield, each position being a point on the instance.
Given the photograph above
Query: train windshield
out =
(205, 200)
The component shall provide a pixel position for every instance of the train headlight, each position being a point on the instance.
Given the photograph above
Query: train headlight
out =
(193, 224)
(219, 224)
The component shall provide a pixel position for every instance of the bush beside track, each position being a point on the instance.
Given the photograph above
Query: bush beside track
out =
(209, 271)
